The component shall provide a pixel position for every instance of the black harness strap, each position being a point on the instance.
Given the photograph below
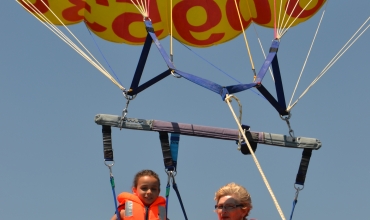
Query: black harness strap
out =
(107, 143)
(303, 167)
(166, 150)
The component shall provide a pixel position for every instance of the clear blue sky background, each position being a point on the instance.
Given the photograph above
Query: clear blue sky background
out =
(51, 160)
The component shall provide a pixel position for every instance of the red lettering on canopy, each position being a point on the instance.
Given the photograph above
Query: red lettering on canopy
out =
(71, 13)
(40, 7)
(232, 15)
(306, 13)
(102, 2)
(184, 28)
(263, 10)
(122, 22)
(93, 25)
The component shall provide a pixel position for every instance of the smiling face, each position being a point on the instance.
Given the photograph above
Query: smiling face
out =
(147, 189)
(228, 207)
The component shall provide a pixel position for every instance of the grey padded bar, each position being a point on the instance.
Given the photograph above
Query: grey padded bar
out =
(206, 131)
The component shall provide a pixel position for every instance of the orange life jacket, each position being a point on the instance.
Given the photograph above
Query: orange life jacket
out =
(136, 210)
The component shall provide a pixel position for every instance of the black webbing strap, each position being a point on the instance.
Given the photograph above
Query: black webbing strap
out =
(302, 171)
(174, 186)
(166, 150)
(272, 100)
(244, 147)
(107, 143)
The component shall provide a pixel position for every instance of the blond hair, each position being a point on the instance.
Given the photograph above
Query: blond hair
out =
(241, 194)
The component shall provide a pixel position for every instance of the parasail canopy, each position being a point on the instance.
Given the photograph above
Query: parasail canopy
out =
(199, 23)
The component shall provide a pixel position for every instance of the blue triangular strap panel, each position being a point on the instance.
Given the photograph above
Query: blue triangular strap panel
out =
(278, 82)
(239, 88)
(202, 82)
(166, 58)
(141, 63)
(272, 100)
(150, 82)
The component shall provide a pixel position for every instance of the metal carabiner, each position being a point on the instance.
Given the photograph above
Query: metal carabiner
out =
(175, 74)
(110, 167)
(124, 113)
(286, 119)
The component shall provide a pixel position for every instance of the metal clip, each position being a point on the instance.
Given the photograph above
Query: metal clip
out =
(175, 74)
(124, 113)
(286, 119)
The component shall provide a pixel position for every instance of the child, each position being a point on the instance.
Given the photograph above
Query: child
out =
(145, 202)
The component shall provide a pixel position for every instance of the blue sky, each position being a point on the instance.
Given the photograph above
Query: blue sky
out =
(51, 149)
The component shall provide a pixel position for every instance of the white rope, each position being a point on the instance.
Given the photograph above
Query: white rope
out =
(281, 3)
(259, 40)
(228, 101)
(332, 61)
(141, 7)
(284, 30)
(171, 33)
(280, 22)
(45, 21)
(245, 38)
(308, 54)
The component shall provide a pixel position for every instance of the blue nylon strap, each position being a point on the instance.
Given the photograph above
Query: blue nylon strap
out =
(142, 61)
(278, 82)
(239, 88)
(269, 59)
(174, 146)
(151, 37)
(150, 83)
(180, 200)
(168, 188)
(272, 100)
(114, 196)
(202, 82)
(166, 58)
(294, 203)
(261, 74)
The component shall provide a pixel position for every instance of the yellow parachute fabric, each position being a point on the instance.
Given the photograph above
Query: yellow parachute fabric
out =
(199, 23)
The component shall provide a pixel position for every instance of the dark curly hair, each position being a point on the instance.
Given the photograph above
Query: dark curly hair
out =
(145, 173)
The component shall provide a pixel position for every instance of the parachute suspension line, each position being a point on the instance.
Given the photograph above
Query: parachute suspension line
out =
(308, 54)
(228, 101)
(171, 38)
(142, 7)
(281, 20)
(246, 41)
(285, 28)
(335, 59)
(209, 62)
(102, 54)
(60, 32)
(278, 25)
(259, 41)
(275, 31)
(90, 58)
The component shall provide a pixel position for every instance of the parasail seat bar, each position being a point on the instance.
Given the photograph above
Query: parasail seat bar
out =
(279, 140)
